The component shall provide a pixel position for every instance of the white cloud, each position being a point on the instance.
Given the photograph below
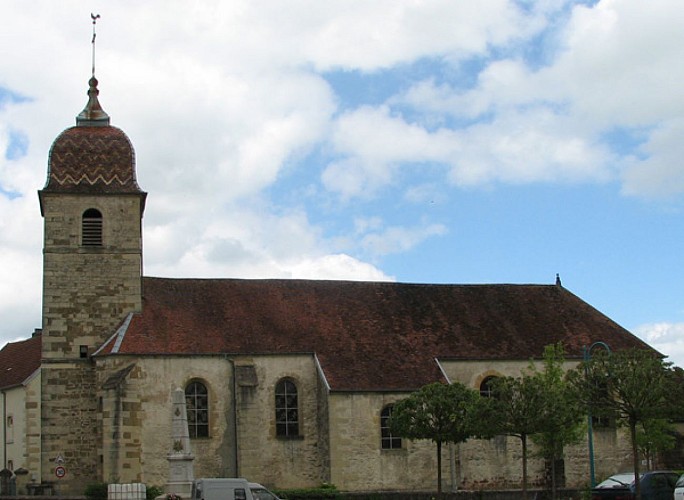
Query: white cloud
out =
(337, 267)
(379, 240)
(368, 36)
(623, 60)
(530, 145)
(374, 143)
(221, 99)
(616, 67)
(661, 172)
(668, 338)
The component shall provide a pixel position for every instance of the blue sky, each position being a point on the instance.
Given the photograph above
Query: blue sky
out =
(437, 141)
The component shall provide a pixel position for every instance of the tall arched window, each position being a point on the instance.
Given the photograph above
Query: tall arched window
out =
(388, 441)
(286, 409)
(487, 387)
(197, 406)
(91, 228)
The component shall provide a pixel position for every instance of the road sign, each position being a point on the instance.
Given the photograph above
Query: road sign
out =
(60, 471)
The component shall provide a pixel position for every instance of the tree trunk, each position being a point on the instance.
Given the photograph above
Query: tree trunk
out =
(523, 440)
(635, 458)
(439, 467)
(452, 467)
(556, 455)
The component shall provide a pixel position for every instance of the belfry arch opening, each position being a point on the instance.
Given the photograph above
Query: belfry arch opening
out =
(91, 228)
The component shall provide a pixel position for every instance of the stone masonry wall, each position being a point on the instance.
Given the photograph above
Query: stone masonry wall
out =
(143, 434)
(121, 418)
(259, 455)
(33, 430)
(291, 462)
(87, 292)
(357, 460)
(340, 432)
(69, 425)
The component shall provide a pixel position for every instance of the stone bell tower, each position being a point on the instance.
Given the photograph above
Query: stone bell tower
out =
(92, 208)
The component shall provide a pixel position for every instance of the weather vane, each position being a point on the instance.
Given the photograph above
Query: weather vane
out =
(94, 17)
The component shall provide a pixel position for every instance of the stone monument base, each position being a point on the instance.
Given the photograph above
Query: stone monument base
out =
(180, 475)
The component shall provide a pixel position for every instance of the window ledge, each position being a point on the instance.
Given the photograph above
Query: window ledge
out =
(298, 437)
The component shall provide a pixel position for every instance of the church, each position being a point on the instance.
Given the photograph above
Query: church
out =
(287, 382)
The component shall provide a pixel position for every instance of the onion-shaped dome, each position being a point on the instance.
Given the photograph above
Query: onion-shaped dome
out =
(93, 157)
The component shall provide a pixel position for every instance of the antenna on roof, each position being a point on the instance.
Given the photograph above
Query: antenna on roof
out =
(94, 17)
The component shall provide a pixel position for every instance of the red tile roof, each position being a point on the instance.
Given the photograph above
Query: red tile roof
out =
(88, 159)
(367, 336)
(18, 361)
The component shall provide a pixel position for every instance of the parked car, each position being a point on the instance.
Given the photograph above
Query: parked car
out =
(679, 488)
(655, 485)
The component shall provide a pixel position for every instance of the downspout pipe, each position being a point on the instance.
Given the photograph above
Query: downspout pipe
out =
(4, 429)
(227, 458)
(236, 461)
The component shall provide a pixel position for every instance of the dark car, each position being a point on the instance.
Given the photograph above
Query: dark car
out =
(655, 485)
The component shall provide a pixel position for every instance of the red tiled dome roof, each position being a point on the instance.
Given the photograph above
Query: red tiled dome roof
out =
(92, 159)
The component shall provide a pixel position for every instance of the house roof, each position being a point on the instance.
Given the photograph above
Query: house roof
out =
(367, 336)
(19, 360)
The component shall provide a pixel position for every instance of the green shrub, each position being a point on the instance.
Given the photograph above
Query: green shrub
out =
(324, 491)
(96, 491)
(152, 492)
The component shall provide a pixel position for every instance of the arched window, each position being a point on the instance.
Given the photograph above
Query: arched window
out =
(91, 228)
(487, 387)
(197, 406)
(286, 409)
(389, 442)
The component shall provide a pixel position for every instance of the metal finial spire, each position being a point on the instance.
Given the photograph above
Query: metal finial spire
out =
(93, 114)
(94, 17)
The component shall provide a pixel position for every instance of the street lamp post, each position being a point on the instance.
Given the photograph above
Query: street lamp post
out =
(587, 357)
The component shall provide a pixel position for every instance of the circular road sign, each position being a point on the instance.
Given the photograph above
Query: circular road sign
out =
(60, 471)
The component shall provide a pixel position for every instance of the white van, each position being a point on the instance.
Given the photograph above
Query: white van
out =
(225, 488)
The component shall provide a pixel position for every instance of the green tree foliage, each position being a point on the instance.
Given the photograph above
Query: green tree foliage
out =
(439, 412)
(517, 406)
(653, 436)
(539, 406)
(562, 419)
(96, 491)
(635, 387)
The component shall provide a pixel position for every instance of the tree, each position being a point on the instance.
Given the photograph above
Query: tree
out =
(635, 387)
(561, 419)
(538, 405)
(653, 436)
(438, 412)
(518, 404)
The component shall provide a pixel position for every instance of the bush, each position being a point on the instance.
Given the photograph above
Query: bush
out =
(96, 491)
(324, 491)
(152, 492)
